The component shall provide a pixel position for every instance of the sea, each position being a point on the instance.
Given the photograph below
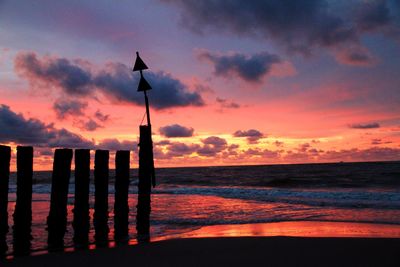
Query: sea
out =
(186, 199)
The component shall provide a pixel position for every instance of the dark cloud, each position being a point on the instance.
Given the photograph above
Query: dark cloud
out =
(379, 16)
(114, 144)
(208, 151)
(369, 154)
(100, 116)
(249, 68)
(314, 151)
(372, 125)
(355, 55)
(351, 155)
(173, 149)
(176, 130)
(299, 156)
(252, 135)
(377, 141)
(278, 143)
(212, 146)
(373, 15)
(216, 147)
(227, 104)
(201, 88)
(163, 143)
(65, 138)
(304, 147)
(47, 152)
(89, 125)
(233, 147)
(232, 150)
(264, 153)
(215, 141)
(295, 23)
(16, 129)
(59, 72)
(116, 81)
(358, 58)
(64, 108)
(178, 149)
(248, 133)
(300, 26)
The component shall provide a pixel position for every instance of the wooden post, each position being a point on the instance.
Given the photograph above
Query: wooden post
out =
(146, 162)
(57, 219)
(146, 176)
(81, 207)
(5, 156)
(121, 208)
(23, 206)
(100, 219)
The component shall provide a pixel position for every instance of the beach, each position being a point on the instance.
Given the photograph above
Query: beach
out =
(267, 244)
(232, 251)
(200, 202)
(199, 133)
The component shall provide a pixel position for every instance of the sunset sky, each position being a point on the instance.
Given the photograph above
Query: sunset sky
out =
(234, 82)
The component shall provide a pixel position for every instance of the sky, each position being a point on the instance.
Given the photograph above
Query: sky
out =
(234, 82)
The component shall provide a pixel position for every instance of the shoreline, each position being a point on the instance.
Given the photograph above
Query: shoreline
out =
(231, 251)
(294, 229)
(384, 238)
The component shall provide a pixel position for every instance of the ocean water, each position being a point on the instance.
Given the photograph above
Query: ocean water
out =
(186, 199)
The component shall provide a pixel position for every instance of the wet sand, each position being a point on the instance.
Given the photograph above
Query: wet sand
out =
(234, 251)
(266, 244)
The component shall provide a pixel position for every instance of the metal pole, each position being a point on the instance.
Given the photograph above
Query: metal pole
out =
(147, 103)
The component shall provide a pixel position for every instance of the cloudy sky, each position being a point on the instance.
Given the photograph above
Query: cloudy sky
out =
(234, 82)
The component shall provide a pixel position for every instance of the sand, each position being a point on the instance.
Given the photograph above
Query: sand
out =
(241, 251)
(270, 244)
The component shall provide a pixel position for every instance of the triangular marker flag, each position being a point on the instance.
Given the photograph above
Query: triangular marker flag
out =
(139, 64)
(143, 85)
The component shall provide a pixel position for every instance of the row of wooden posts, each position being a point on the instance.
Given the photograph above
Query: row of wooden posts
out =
(57, 218)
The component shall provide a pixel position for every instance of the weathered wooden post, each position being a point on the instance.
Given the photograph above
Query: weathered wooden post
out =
(81, 206)
(5, 157)
(146, 170)
(57, 219)
(23, 206)
(100, 219)
(121, 208)
(146, 162)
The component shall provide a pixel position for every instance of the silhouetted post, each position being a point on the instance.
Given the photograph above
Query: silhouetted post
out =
(121, 208)
(57, 219)
(101, 197)
(5, 156)
(81, 206)
(146, 162)
(146, 171)
(23, 206)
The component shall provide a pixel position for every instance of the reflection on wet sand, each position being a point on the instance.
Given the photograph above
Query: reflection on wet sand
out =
(295, 229)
